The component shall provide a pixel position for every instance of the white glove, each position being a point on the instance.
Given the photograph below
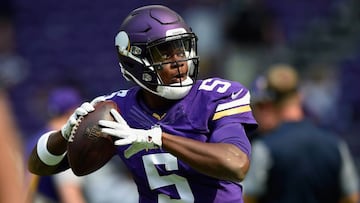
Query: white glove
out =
(83, 110)
(138, 138)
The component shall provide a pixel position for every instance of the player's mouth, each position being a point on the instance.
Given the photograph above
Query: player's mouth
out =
(179, 78)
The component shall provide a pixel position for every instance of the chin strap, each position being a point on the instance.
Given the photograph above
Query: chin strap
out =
(177, 90)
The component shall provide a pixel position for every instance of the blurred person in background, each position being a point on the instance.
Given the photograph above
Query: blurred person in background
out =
(64, 187)
(293, 160)
(12, 180)
(112, 183)
(13, 67)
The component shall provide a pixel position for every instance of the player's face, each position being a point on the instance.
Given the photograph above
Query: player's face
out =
(173, 57)
(174, 72)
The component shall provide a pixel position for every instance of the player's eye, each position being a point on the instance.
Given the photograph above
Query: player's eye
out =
(165, 51)
(165, 56)
(178, 53)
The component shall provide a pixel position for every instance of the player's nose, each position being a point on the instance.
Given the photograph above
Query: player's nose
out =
(177, 64)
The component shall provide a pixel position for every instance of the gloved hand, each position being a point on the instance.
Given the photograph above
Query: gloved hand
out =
(138, 138)
(83, 110)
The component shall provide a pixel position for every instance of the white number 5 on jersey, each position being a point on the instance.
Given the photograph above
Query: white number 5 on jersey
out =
(157, 181)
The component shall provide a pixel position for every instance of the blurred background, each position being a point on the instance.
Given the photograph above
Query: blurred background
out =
(47, 43)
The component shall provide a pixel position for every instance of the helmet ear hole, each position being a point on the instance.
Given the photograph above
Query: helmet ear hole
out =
(122, 41)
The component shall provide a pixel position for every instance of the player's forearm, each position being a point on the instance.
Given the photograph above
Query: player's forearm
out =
(218, 160)
(56, 145)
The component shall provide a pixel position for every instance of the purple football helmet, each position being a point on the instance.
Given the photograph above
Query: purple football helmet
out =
(141, 43)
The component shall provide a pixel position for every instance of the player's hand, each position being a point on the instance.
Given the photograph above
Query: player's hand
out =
(138, 138)
(83, 110)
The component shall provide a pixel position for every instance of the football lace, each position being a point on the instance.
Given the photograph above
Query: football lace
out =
(74, 128)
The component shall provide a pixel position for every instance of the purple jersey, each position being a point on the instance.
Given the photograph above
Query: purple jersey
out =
(210, 105)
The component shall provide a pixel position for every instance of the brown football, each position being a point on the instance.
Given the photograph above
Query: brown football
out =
(88, 148)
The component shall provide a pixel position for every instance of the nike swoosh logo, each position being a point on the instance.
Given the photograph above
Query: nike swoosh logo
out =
(234, 95)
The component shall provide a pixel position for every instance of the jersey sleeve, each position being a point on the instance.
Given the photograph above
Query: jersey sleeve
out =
(232, 133)
(227, 102)
(225, 105)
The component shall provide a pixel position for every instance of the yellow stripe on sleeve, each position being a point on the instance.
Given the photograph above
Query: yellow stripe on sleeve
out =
(232, 111)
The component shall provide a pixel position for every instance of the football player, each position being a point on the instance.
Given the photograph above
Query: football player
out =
(183, 139)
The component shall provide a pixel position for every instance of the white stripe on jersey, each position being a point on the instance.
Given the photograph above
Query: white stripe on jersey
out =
(245, 100)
